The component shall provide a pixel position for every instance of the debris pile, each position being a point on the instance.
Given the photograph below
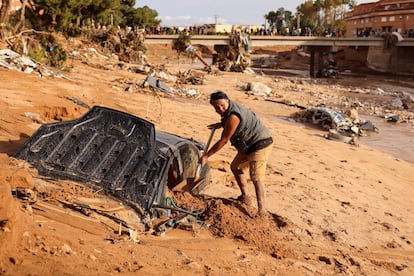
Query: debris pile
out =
(14, 61)
(156, 82)
(191, 77)
(127, 44)
(44, 47)
(232, 57)
(235, 56)
(340, 126)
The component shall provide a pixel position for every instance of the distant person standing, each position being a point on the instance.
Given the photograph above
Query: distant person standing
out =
(250, 137)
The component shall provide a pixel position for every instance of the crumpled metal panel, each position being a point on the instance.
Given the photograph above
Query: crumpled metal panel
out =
(112, 149)
(325, 116)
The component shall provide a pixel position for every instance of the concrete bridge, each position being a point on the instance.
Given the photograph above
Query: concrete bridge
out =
(262, 41)
(396, 59)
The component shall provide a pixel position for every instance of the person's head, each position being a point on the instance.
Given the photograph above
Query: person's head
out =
(220, 101)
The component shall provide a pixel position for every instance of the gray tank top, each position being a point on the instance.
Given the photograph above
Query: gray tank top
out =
(250, 131)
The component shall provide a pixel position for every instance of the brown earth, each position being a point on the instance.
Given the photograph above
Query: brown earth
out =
(334, 208)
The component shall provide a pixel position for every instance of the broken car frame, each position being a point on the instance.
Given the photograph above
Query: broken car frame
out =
(122, 154)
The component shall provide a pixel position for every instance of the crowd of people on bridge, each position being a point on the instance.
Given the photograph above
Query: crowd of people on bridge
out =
(368, 32)
(208, 29)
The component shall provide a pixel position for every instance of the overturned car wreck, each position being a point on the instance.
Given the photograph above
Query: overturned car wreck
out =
(339, 125)
(122, 154)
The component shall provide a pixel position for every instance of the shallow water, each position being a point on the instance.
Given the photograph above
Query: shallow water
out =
(397, 139)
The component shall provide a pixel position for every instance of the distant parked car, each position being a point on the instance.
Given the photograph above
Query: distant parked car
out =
(119, 152)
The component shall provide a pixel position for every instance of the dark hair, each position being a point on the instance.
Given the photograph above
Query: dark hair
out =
(217, 96)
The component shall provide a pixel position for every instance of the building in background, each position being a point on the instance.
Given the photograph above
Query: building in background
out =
(372, 19)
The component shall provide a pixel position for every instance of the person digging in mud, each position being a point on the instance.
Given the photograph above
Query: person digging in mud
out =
(250, 137)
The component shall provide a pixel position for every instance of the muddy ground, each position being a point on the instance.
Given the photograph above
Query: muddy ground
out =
(334, 208)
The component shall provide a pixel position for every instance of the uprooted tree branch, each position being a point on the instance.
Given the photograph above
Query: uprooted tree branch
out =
(232, 57)
(108, 23)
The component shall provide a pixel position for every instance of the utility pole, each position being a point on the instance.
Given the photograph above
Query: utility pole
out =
(215, 19)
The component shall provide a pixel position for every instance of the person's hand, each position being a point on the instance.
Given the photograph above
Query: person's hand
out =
(214, 126)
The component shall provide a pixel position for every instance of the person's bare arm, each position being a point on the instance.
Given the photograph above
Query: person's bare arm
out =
(229, 128)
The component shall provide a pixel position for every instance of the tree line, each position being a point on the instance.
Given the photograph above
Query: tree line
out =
(68, 16)
(320, 17)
